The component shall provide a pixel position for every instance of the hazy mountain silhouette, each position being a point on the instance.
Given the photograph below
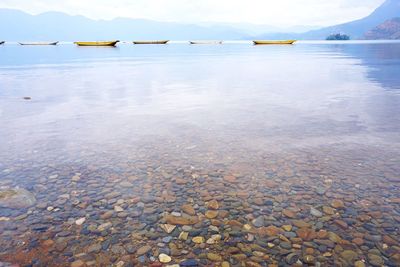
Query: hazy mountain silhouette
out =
(16, 25)
(355, 29)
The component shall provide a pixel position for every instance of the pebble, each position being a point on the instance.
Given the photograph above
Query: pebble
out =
(95, 248)
(214, 257)
(258, 222)
(104, 226)
(183, 236)
(77, 263)
(359, 264)
(80, 221)
(168, 228)
(164, 258)
(189, 263)
(309, 259)
(198, 239)
(337, 204)
(211, 214)
(289, 213)
(315, 212)
(143, 250)
(188, 209)
(375, 260)
(167, 239)
(349, 256)
(292, 258)
(213, 204)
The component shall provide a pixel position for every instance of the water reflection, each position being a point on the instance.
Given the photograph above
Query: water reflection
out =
(249, 155)
(381, 60)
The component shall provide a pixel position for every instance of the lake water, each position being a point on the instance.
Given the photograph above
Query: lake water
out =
(265, 155)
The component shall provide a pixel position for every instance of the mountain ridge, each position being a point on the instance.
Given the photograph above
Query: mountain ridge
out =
(390, 29)
(76, 27)
(73, 27)
(355, 29)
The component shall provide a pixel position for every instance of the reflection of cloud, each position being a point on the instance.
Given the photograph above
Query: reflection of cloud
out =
(278, 94)
(381, 62)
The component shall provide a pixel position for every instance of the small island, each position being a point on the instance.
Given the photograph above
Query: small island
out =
(338, 36)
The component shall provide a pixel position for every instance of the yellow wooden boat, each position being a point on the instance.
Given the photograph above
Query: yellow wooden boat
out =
(97, 43)
(39, 43)
(151, 42)
(273, 42)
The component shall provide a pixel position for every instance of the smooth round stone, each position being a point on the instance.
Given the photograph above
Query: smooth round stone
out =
(187, 228)
(189, 263)
(375, 260)
(80, 221)
(77, 263)
(349, 256)
(214, 257)
(95, 248)
(130, 248)
(198, 239)
(292, 258)
(286, 245)
(143, 250)
(259, 221)
(211, 214)
(118, 249)
(315, 212)
(164, 258)
(320, 190)
(167, 239)
(17, 198)
(309, 259)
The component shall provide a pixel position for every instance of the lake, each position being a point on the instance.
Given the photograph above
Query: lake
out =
(200, 154)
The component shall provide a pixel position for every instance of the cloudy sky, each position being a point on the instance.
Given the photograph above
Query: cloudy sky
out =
(271, 12)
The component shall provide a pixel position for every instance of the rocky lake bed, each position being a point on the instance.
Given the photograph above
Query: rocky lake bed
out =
(290, 209)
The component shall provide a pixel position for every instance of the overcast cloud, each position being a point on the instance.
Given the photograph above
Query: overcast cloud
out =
(271, 12)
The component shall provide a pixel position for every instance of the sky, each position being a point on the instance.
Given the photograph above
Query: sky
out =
(280, 13)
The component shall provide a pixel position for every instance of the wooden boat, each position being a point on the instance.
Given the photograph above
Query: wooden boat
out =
(39, 43)
(205, 42)
(273, 42)
(97, 43)
(151, 42)
(2, 42)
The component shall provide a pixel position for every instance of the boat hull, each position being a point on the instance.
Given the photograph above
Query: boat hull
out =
(2, 42)
(105, 43)
(151, 42)
(39, 43)
(274, 42)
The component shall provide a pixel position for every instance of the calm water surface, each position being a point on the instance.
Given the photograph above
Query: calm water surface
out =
(273, 154)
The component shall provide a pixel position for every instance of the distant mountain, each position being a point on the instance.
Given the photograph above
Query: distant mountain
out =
(390, 29)
(256, 29)
(16, 25)
(355, 29)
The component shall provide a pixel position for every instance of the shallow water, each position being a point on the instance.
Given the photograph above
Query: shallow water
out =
(125, 136)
